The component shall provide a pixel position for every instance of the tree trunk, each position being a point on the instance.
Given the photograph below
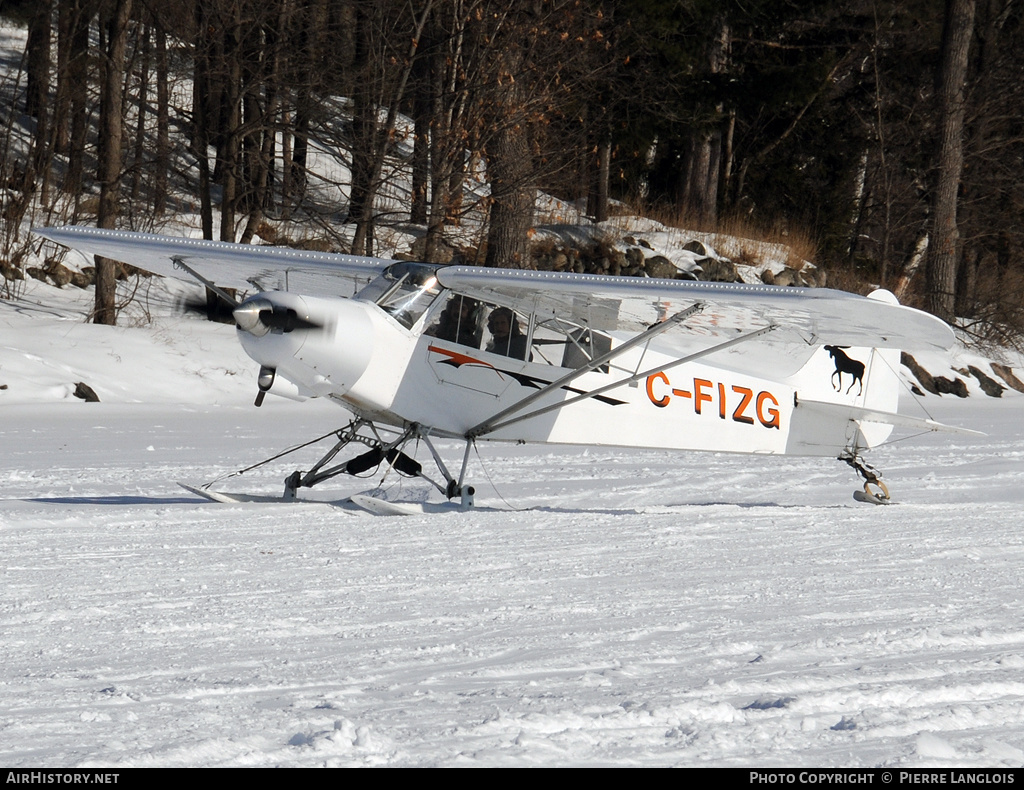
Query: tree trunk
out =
(420, 156)
(38, 61)
(115, 26)
(229, 152)
(62, 101)
(261, 159)
(509, 165)
(163, 139)
(139, 153)
(78, 89)
(37, 94)
(370, 144)
(597, 197)
(201, 115)
(364, 135)
(945, 250)
(700, 190)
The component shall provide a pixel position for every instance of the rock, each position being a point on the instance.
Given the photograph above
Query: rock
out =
(697, 247)
(313, 245)
(59, 274)
(84, 278)
(10, 271)
(988, 385)
(768, 277)
(86, 393)
(788, 277)
(926, 379)
(660, 266)
(717, 270)
(954, 386)
(1006, 374)
(937, 385)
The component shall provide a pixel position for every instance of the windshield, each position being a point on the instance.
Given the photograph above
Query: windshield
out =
(404, 291)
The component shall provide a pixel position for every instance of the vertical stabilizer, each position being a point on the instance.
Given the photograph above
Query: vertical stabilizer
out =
(840, 376)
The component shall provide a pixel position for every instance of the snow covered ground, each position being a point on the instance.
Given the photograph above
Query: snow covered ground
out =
(600, 608)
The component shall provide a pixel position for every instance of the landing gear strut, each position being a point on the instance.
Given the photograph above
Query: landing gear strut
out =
(875, 491)
(381, 451)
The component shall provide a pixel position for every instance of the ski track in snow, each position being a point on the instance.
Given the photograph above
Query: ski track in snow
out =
(646, 609)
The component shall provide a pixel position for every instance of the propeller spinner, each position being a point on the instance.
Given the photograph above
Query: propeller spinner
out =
(257, 315)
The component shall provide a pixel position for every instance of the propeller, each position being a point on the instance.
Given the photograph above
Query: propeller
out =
(214, 307)
(257, 316)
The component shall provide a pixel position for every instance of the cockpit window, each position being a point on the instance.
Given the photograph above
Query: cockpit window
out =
(459, 322)
(404, 291)
(569, 344)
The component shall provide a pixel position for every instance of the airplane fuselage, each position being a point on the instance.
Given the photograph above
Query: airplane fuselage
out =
(376, 366)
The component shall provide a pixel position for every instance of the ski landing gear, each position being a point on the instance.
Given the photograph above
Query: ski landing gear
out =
(381, 450)
(875, 491)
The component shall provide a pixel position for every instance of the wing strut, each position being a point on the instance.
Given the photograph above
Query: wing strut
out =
(179, 263)
(652, 331)
(493, 424)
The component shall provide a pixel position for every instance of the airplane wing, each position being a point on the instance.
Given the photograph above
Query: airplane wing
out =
(245, 267)
(816, 315)
(803, 316)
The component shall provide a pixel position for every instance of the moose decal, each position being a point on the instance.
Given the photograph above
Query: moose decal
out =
(846, 365)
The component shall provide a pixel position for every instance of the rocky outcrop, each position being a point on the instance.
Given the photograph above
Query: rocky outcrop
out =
(1007, 375)
(631, 257)
(808, 277)
(86, 393)
(989, 386)
(937, 385)
(718, 270)
(660, 266)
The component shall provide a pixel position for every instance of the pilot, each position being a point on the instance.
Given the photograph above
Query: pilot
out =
(459, 322)
(507, 338)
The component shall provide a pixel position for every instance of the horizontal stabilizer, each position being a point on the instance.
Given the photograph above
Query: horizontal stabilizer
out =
(859, 414)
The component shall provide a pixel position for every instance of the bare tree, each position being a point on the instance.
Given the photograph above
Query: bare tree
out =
(115, 28)
(162, 161)
(371, 139)
(76, 76)
(944, 253)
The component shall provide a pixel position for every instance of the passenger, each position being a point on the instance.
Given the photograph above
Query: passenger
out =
(459, 322)
(507, 338)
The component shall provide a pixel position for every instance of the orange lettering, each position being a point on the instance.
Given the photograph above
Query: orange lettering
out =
(721, 400)
(773, 413)
(661, 402)
(738, 415)
(699, 396)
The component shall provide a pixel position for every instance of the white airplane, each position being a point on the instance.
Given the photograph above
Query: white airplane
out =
(419, 351)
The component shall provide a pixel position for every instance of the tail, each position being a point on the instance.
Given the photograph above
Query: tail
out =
(846, 398)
